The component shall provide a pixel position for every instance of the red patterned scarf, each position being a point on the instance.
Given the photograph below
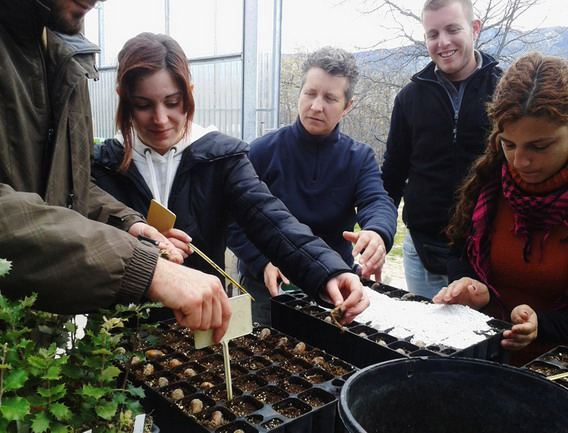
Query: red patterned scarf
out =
(531, 212)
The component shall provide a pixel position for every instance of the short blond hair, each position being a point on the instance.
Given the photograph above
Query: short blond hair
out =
(434, 5)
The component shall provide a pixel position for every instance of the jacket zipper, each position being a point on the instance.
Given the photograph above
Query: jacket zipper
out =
(60, 69)
(455, 119)
(47, 151)
(315, 174)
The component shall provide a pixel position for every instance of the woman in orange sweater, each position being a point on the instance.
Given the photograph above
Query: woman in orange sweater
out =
(510, 228)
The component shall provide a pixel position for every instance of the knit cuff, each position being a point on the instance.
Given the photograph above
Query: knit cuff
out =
(138, 275)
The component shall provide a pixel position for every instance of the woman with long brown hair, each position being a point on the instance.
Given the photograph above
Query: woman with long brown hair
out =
(204, 176)
(510, 228)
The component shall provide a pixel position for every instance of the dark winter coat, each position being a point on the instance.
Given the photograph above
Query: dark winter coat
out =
(430, 148)
(214, 179)
(328, 182)
(51, 214)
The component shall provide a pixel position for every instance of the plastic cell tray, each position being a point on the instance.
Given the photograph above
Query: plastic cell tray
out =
(295, 313)
(552, 362)
(280, 385)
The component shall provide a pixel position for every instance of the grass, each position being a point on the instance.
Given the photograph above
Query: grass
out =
(398, 237)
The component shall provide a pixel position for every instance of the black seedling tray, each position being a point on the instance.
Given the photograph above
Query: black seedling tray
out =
(295, 313)
(552, 362)
(280, 384)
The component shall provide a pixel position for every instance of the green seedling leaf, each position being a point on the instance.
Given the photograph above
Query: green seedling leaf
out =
(15, 380)
(59, 428)
(53, 391)
(5, 266)
(119, 397)
(4, 424)
(92, 391)
(40, 423)
(14, 408)
(135, 391)
(102, 352)
(109, 373)
(60, 411)
(106, 409)
(53, 373)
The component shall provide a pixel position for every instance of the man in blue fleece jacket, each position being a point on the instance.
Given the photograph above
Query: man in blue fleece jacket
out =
(326, 179)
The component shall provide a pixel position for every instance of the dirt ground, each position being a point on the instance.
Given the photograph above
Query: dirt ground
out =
(393, 272)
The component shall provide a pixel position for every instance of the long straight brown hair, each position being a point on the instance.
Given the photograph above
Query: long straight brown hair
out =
(143, 55)
(534, 85)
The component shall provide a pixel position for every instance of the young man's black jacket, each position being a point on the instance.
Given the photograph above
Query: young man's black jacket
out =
(430, 148)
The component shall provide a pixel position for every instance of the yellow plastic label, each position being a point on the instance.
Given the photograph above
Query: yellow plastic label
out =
(160, 217)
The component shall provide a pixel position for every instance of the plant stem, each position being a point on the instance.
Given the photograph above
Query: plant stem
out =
(4, 349)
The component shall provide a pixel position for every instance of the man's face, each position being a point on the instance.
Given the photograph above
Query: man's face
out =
(322, 101)
(449, 38)
(67, 15)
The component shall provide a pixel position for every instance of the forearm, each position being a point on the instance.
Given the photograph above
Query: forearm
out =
(288, 244)
(106, 209)
(74, 264)
(375, 209)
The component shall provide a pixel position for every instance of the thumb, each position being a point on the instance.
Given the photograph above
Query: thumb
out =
(519, 316)
(350, 236)
(285, 279)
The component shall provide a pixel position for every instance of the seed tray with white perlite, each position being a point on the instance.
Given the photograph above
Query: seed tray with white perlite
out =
(363, 343)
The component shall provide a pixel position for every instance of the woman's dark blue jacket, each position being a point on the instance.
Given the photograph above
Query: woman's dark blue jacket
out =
(215, 180)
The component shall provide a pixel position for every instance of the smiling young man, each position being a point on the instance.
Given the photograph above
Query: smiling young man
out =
(326, 179)
(438, 128)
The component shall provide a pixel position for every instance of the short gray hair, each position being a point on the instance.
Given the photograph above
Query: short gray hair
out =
(337, 62)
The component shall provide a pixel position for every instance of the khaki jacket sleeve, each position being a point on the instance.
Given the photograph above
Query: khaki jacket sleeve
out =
(75, 264)
(104, 208)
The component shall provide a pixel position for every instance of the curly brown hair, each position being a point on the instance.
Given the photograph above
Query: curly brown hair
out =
(534, 85)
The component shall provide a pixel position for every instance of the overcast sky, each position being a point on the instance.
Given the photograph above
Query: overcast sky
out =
(309, 24)
(205, 27)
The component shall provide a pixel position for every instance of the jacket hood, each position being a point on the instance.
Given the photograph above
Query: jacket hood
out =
(428, 72)
(212, 146)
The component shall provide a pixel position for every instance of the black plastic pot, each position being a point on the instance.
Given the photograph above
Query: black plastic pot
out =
(442, 395)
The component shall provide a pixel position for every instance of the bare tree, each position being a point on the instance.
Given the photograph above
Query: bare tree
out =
(384, 71)
(499, 37)
(290, 78)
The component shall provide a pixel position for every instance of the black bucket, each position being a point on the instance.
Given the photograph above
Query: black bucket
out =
(443, 395)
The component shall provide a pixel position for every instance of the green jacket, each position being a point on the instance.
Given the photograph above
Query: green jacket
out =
(54, 222)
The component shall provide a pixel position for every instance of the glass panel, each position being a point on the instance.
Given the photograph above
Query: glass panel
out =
(209, 28)
(124, 19)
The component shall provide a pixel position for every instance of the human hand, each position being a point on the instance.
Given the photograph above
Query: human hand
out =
(180, 240)
(465, 291)
(197, 299)
(137, 229)
(524, 330)
(372, 249)
(346, 291)
(271, 276)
